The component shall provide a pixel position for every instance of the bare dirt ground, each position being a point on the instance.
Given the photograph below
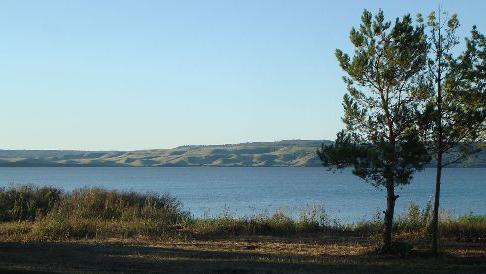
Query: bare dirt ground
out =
(253, 255)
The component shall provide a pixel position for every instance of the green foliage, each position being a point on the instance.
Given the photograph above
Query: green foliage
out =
(385, 91)
(454, 117)
(471, 219)
(465, 228)
(343, 152)
(27, 202)
(455, 113)
(369, 161)
(227, 225)
(415, 219)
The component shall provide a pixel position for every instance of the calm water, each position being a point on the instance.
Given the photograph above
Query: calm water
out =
(207, 191)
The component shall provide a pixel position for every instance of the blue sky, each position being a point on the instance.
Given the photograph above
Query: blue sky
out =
(158, 74)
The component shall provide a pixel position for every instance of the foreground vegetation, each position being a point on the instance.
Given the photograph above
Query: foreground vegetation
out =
(91, 229)
(30, 213)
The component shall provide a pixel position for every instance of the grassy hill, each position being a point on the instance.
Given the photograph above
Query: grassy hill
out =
(298, 153)
(282, 153)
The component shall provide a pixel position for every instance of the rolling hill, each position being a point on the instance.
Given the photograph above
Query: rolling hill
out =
(295, 153)
(282, 153)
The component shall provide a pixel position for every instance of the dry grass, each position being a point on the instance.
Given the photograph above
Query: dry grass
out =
(30, 213)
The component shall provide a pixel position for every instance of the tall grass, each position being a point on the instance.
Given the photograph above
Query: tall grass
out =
(465, 228)
(27, 202)
(47, 213)
(90, 212)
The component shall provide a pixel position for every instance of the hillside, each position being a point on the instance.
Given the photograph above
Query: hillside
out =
(298, 153)
(282, 153)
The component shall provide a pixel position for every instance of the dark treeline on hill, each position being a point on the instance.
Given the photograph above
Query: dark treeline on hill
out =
(289, 153)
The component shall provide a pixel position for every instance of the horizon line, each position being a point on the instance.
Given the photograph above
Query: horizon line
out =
(175, 147)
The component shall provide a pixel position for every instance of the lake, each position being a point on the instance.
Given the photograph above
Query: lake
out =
(208, 191)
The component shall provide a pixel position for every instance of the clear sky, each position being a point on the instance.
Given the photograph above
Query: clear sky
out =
(158, 74)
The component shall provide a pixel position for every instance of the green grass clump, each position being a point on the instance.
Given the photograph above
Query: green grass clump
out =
(473, 219)
(312, 220)
(276, 224)
(415, 223)
(465, 228)
(27, 202)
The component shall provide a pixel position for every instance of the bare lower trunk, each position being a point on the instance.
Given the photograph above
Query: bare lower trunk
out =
(390, 209)
(435, 218)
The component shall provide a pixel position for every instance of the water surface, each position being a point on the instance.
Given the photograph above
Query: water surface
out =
(207, 191)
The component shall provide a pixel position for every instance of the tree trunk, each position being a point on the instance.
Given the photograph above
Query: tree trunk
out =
(390, 209)
(390, 186)
(435, 219)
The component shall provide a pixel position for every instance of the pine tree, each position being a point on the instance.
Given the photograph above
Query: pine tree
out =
(385, 91)
(454, 117)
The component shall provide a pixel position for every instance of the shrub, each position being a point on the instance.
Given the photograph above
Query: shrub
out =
(96, 203)
(465, 228)
(90, 212)
(27, 202)
(415, 219)
(313, 219)
(94, 212)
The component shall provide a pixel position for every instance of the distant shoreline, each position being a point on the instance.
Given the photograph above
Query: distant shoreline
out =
(155, 167)
(286, 153)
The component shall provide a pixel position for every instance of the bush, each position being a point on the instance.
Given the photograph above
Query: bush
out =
(90, 212)
(96, 203)
(27, 202)
(465, 228)
(415, 219)
(94, 212)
